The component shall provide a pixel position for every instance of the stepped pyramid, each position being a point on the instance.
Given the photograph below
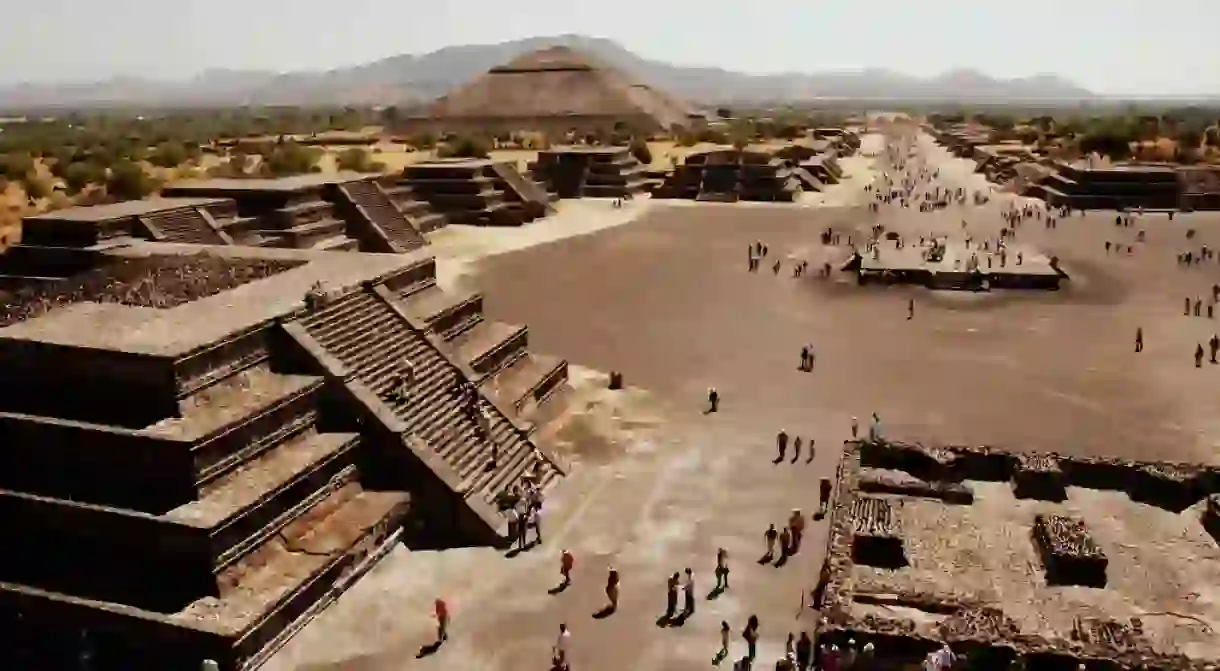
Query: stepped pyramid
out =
(203, 453)
(551, 90)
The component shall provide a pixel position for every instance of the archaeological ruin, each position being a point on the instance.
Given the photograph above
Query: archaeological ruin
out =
(1016, 558)
(730, 175)
(590, 172)
(220, 427)
(477, 192)
(556, 91)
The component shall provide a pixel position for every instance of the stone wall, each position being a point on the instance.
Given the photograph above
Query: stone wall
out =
(984, 633)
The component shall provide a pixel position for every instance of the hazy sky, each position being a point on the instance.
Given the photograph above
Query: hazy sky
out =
(1110, 46)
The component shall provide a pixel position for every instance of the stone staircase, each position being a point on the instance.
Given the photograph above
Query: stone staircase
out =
(216, 532)
(187, 225)
(375, 206)
(497, 353)
(372, 337)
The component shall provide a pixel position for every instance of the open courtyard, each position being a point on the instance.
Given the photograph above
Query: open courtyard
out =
(658, 485)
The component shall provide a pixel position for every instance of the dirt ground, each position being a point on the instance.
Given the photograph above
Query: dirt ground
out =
(658, 485)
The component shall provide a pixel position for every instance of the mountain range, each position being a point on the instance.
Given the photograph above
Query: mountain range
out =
(415, 79)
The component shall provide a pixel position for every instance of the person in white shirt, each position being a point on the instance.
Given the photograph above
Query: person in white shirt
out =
(562, 643)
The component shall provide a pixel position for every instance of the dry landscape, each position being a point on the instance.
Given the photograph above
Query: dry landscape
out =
(666, 300)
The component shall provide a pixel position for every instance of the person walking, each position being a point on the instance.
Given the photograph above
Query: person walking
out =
(441, 610)
(566, 562)
(612, 588)
(722, 569)
(563, 644)
(688, 590)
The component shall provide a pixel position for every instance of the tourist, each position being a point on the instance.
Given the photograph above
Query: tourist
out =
(534, 515)
(612, 588)
(874, 429)
(750, 634)
(713, 399)
(824, 494)
(804, 652)
(865, 661)
(855, 427)
(785, 544)
(1139, 340)
(790, 645)
(1214, 345)
(441, 610)
(796, 449)
(1198, 306)
(770, 537)
(562, 646)
(514, 525)
(812, 452)
(805, 358)
(911, 305)
(796, 522)
(781, 444)
(722, 570)
(566, 562)
(1187, 311)
(671, 597)
(724, 641)
(688, 591)
(849, 654)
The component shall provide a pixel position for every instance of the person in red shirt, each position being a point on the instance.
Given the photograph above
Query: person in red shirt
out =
(565, 567)
(442, 621)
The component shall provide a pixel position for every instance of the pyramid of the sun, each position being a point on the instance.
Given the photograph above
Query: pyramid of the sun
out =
(552, 90)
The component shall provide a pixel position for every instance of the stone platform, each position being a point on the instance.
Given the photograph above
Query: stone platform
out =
(988, 574)
(908, 265)
(196, 460)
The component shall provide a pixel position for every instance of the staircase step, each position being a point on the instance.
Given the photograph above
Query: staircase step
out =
(480, 341)
(513, 384)
(229, 400)
(240, 489)
(281, 577)
(339, 243)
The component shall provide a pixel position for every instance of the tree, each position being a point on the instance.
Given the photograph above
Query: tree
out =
(641, 152)
(16, 166)
(465, 147)
(169, 155)
(290, 158)
(358, 159)
(81, 174)
(128, 181)
(724, 112)
(35, 186)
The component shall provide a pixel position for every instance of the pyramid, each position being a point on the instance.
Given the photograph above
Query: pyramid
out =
(552, 90)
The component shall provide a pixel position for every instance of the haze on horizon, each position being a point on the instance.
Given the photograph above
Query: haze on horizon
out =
(1119, 47)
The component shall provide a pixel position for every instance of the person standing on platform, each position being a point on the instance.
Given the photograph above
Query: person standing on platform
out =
(441, 610)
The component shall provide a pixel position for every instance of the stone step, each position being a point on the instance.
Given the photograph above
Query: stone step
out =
(489, 345)
(514, 383)
(446, 313)
(338, 243)
(276, 589)
(254, 500)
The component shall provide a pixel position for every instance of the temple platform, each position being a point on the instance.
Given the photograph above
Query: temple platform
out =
(1023, 268)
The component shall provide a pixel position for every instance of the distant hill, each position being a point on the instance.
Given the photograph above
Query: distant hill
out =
(408, 79)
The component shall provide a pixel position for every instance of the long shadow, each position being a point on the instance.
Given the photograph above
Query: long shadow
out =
(520, 549)
(604, 613)
(766, 559)
(720, 657)
(783, 559)
(778, 459)
(559, 589)
(715, 593)
(428, 650)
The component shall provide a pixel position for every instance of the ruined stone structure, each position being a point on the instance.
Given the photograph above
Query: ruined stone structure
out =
(555, 91)
(344, 211)
(478, 191)
(1153, 187)
(864, 532)
(815, 165)
(209, 443)
(590, 172)
(843, 141)
(729, 175)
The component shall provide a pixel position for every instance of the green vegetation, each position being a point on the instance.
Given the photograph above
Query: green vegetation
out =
(468, 146)
(358, 159)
